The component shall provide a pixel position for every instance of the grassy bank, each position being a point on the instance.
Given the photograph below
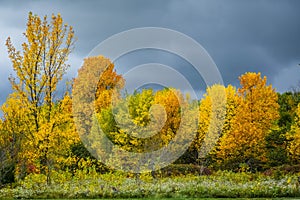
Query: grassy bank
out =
(116, 185)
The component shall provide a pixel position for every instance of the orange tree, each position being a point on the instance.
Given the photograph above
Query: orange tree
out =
(94, 90)
(256, 113)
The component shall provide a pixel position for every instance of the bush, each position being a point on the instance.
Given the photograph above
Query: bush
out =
(7, 174)
(81, 154)
(184, 169)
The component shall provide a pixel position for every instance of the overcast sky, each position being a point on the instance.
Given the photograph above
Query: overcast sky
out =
(240, 35)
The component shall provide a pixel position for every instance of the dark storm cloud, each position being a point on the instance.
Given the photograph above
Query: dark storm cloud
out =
(239, 35)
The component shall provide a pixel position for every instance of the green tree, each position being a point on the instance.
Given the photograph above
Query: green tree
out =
(294, 137)
(276, 140)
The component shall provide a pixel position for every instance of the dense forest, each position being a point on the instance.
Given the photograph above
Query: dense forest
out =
(259, 128)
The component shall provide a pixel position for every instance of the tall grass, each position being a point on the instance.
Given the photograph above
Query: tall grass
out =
(89, 184)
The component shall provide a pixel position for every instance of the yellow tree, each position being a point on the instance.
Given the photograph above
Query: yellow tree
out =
(142, 122)
(125, 124)
(131, 124)
(60, 132)
(216, 111)
(256, 113)
(39, 68)
(171, 101)
(176, 121)
(13, 129)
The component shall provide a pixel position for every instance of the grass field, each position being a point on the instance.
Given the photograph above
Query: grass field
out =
(199, 198)
(117, 186)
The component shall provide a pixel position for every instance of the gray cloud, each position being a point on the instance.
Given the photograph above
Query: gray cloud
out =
(239, 35)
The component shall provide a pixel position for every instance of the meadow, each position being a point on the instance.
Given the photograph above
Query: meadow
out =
(92, 185)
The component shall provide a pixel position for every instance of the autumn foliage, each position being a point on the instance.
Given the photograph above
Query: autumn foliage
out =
(256, 112)
(236, 127)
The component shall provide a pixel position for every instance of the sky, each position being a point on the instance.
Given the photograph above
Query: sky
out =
(239, 35)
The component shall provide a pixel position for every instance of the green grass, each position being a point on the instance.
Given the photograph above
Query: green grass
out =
(195, 199)
(119, 186)
(200, 199)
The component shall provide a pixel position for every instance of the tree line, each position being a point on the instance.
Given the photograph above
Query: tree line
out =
(254, 127)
